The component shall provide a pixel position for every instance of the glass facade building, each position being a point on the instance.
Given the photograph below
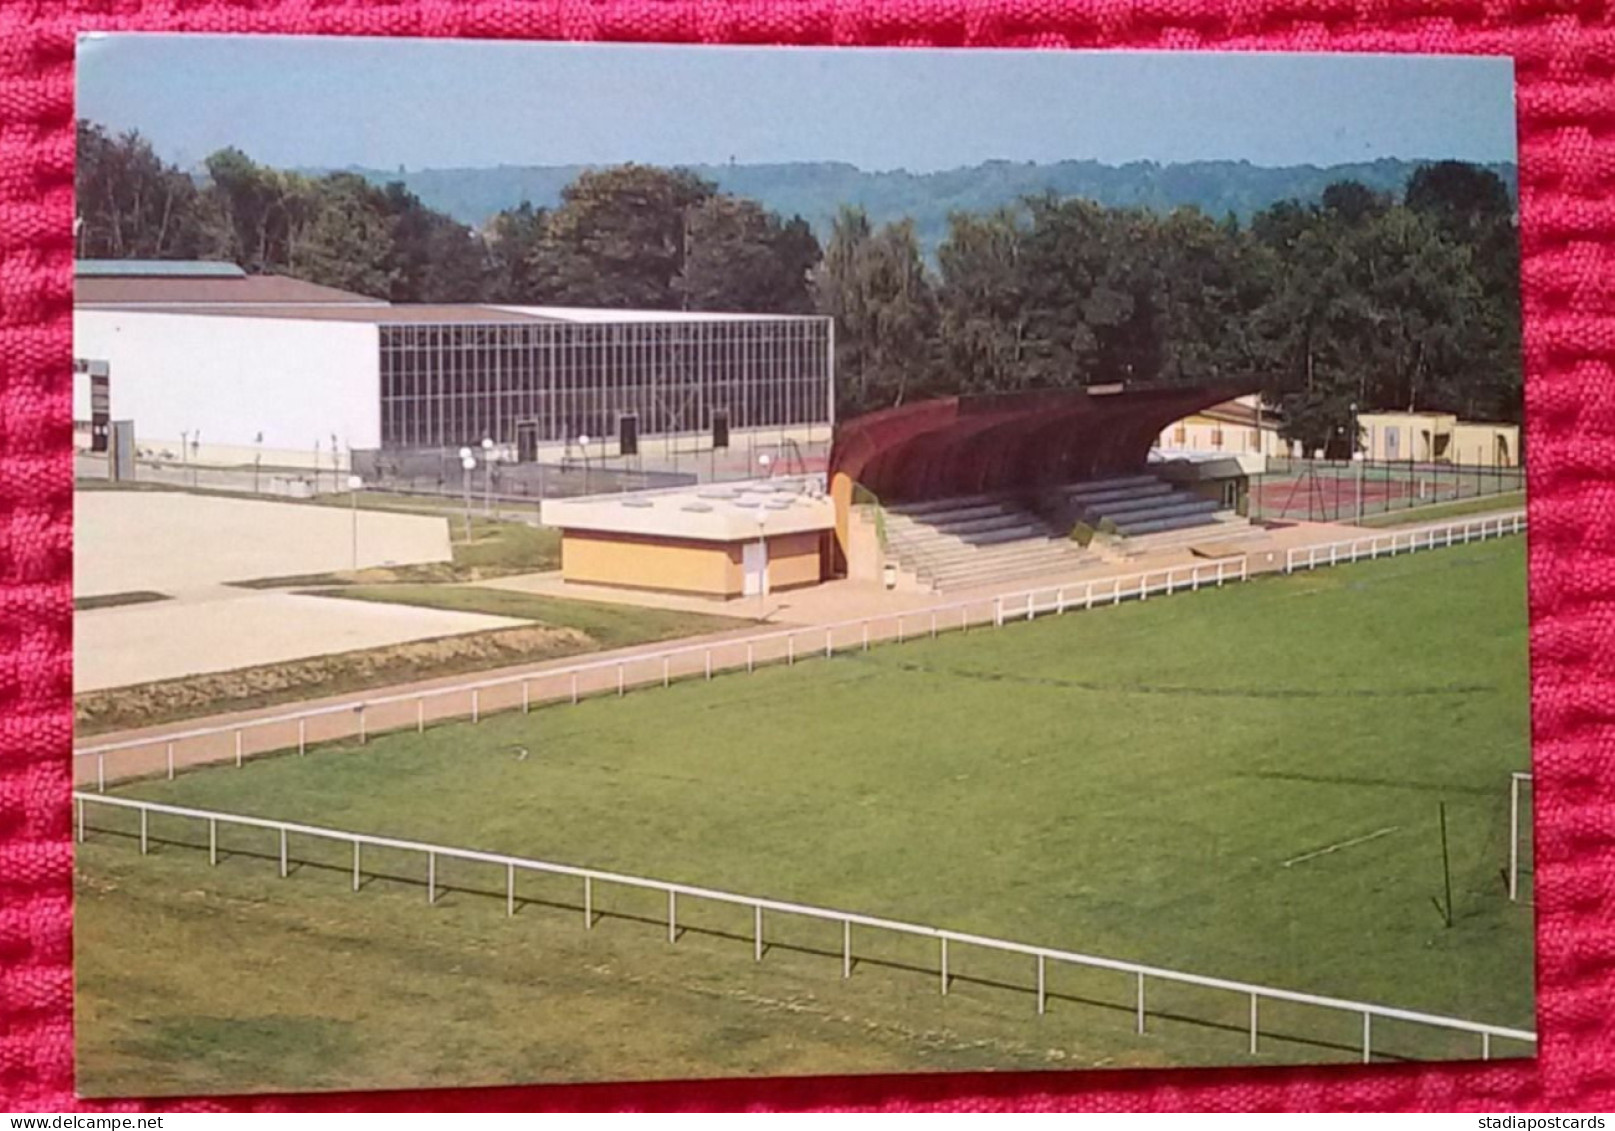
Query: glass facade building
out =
(449, 384)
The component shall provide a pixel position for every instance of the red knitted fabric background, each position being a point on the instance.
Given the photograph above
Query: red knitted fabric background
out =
(1565, 58)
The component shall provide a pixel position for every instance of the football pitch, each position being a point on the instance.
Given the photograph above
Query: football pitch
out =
(1241, 783)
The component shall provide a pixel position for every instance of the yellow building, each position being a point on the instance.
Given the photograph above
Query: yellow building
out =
(1236, 427)
(1438, 437)
(724, 540)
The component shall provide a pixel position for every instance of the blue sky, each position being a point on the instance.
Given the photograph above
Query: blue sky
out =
(440, 103)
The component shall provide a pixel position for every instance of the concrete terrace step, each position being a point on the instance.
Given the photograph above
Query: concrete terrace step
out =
(1165, 506)
(1008, 571)
(1156, 525)
(1121, 494)
(1079, 492)
(954, 514)
(942, 556)
(936, 506)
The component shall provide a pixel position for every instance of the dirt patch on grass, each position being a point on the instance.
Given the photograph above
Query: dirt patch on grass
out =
(147, 704)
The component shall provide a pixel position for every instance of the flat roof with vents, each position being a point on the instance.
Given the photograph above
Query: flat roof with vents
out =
(735, 513)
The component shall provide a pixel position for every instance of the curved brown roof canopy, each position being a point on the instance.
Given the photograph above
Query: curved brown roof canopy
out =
(1014, 441)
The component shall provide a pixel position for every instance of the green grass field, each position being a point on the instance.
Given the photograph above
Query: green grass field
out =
(1172, 782)
(1511, 500)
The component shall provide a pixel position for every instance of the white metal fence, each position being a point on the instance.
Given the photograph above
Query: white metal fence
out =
(359, 718)
(1394, 542)
(847, 920)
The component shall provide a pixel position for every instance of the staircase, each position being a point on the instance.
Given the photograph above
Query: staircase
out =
(979, 540)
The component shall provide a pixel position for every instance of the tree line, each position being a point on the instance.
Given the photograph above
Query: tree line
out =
(1382, 300)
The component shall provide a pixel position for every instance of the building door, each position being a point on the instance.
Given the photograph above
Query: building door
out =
(754, 563)
(1393, 437)
(527, 441)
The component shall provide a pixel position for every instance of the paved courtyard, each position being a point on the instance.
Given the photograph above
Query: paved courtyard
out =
(190, 547)
(170, 541)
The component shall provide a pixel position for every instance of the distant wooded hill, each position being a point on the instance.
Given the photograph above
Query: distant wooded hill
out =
(815, 190)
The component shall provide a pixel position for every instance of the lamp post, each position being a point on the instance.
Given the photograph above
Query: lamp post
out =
(762, 559)
(583, 446)
(468, 464)
(354, 483)
(487, 476)
(766, 461)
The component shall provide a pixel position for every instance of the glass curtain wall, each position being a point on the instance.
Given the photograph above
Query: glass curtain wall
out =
(447, 385)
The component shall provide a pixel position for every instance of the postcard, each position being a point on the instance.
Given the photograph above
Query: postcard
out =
(629, 562)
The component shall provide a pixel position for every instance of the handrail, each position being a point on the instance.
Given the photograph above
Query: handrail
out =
(1115, 588)
(759, 903)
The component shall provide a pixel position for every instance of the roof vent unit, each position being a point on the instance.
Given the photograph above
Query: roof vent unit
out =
(696, 508)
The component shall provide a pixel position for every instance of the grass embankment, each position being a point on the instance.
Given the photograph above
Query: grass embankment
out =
(1240, 783)
(1512, 500)
(117, 600)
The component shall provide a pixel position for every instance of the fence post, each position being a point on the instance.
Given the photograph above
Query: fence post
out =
(1059, 601)
(170, 750)
(101, 773)
(998, 612)
(1029, 606)
(757, 933)
(1368, 1023)
(302, 736)
(1253, 1024)
(1087, 600)
(1141, 1001)
(362, 734)
(790, 649)
(588, 903)
(574, 687)
(143, 832)
(827, 643)
(667, 670)
(1486, 1046)
(933, 624)
(283, 853)
(431, 877)
(238, 746)
(356, 847)
(526, 697)
(1143, 587)
(1219, 569)
(213, 841)
(709, 663)
(750, 667)
(846, 948)
(81, 819)
(476, 705)
(1245, 568)
(1041, 1006)
(944, 958)
(510, 890)
(1513, 839)
(620, 688)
